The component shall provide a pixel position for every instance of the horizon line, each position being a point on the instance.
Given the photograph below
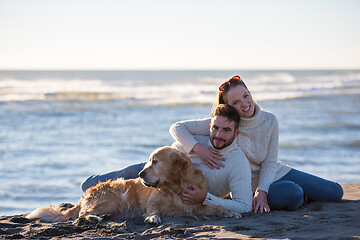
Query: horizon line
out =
(183, 69)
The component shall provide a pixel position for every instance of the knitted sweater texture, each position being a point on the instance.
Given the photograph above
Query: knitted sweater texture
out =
(258, 138)
(234, 178)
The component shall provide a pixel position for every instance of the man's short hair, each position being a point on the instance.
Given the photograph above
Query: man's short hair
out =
(229, 112)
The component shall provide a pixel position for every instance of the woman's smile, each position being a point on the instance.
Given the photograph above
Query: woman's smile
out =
(240, 98)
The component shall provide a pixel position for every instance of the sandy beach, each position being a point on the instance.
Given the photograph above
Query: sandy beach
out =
(316, 220)
(93, 87)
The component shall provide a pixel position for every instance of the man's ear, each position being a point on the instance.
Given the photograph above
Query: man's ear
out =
(237, 132)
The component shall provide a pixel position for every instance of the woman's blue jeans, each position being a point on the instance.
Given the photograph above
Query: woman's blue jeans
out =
(129, 172)
(290, 191)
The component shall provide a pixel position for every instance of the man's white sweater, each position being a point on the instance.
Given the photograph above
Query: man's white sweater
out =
(258, 138)
(233, 179)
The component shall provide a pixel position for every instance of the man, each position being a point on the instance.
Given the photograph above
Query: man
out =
(233, 178)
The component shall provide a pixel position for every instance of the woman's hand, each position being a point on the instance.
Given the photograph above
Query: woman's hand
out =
(209, 155)
(260, 202)
(193, 195)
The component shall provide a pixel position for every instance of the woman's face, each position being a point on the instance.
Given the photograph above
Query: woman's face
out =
(239, 98)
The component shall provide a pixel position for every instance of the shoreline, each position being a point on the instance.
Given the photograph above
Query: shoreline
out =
(316, 220)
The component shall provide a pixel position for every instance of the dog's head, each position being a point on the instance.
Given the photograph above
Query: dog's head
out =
(166, 167)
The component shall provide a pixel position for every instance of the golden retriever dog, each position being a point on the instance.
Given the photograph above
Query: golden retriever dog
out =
(157, 192)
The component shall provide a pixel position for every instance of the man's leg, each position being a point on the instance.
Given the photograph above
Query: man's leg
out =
(129, 172)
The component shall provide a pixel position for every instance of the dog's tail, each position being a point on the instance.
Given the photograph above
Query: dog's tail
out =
(52, 214)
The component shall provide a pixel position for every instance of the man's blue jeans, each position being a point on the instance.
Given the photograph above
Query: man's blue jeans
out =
(289, 192)
(129, 172)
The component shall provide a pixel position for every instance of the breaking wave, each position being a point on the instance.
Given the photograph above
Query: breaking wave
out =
(170, 90)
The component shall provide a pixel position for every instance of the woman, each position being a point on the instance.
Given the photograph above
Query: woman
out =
(275, 185)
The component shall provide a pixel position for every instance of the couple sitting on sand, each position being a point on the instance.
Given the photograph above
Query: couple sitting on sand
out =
(242, 137)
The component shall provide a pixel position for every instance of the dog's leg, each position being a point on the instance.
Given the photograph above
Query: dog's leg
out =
(152, 212)
(50, 214)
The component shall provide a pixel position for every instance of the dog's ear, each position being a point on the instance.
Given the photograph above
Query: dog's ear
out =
(180, 160)
(179, 164)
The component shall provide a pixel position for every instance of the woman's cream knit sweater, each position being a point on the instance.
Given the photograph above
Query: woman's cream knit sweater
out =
(259, 139)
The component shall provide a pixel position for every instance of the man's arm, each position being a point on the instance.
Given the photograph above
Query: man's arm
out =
(240, 187)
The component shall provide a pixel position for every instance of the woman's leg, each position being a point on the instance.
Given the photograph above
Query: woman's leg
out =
(315, 188)
(129, 172)
(285, 195)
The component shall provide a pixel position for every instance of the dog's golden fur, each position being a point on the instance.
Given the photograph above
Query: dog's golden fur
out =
(156, 192)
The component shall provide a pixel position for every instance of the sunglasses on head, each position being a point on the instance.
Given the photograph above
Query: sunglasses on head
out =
(225, 86)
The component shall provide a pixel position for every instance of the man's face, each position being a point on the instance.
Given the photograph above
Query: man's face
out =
(222, 132)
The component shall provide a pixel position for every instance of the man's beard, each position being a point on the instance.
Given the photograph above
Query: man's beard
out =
(226, 143)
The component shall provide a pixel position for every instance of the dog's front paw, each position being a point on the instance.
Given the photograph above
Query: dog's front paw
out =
(153, 219)
(237, 215)
(234, 215)
(87, 220)
(93, 219)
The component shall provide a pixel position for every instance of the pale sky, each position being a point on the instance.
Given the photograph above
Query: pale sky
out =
(184, 34)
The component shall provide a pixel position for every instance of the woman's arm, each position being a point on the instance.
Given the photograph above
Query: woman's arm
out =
(267, 171)
(269, 165)
(184, 131)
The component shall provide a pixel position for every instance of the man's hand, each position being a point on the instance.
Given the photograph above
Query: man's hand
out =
(193, 195)
(260, 202)
(209, 155)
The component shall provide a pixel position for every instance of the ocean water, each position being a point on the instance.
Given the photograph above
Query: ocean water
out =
(59, 127)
